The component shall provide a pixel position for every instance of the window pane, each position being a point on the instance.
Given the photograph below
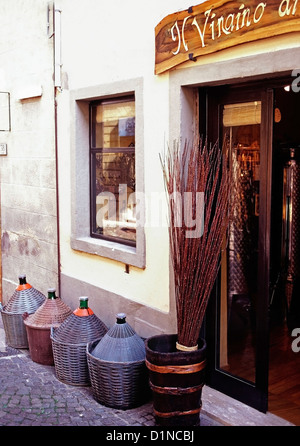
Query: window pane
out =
(114, 124)
(115, 195)
(241, 125)
(113, 170)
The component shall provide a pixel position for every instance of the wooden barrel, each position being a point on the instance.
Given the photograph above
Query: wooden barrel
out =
(176, 379)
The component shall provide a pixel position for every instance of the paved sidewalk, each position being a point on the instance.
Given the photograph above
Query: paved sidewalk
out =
(31, 395)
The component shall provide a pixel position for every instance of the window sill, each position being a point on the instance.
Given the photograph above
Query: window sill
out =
(115, 251)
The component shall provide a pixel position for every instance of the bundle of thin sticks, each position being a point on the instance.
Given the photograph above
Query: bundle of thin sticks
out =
(197, 181)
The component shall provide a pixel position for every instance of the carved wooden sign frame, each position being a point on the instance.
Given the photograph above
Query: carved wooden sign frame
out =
(216, 25)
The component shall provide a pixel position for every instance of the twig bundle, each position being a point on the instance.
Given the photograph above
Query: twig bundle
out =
(196, 258)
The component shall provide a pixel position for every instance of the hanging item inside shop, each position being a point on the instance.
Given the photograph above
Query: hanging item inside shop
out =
(25, 299)
(285, 301)
(291, 238)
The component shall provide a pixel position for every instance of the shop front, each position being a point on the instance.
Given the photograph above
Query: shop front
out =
(234, 73)
(257, 292)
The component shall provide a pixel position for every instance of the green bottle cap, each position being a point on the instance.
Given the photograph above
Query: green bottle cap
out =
(51, 293)
(83, 302)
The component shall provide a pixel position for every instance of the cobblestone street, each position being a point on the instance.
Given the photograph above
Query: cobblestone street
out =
(31, 395)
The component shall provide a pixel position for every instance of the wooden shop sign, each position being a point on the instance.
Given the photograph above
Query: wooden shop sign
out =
(216, 25)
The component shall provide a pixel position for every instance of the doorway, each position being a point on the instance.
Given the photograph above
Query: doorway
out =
(255, 305)
(284, 359)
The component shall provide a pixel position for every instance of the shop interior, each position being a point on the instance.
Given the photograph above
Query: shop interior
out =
(284, 359)
(242, 124)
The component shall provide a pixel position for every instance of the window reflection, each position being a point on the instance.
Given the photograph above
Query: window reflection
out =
(241, 127)
(113, 170)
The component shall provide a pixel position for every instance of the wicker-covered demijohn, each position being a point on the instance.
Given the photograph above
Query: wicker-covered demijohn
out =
(118, 373)
(69, 343)
(38, 325)
(25, 299)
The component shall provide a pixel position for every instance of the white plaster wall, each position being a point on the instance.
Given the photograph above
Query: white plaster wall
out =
(28, 187)
(106, 42)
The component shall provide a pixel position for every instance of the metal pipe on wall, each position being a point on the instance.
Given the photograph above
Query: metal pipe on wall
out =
(54, 31)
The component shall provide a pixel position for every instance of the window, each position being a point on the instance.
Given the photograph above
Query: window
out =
(89, 231)
(112, 169)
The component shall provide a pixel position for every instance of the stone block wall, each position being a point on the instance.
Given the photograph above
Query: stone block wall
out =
(28, 171)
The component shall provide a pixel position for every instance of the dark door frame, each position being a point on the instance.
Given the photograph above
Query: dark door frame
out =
(253, 394)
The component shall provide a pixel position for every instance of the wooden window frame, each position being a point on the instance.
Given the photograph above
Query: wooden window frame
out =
(94, 150)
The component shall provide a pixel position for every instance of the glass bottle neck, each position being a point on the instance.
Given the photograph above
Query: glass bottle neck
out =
(121, 318)
(83, 304)
(23, 285)
(83, 309)
(22, 280)
(51, 294)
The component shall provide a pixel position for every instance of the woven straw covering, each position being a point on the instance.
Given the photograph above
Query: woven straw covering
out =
(25, 299)
(51, 313)
(120, 344)
(118, 373)
(69, 343)
(80, 330)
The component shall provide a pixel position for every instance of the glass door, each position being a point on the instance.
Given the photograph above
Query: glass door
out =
(241, 124)
(240, 308)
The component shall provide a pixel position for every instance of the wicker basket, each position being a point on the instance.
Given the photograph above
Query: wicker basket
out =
(116, 363)
(50, 314)
(25, 299)
(69, 343)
